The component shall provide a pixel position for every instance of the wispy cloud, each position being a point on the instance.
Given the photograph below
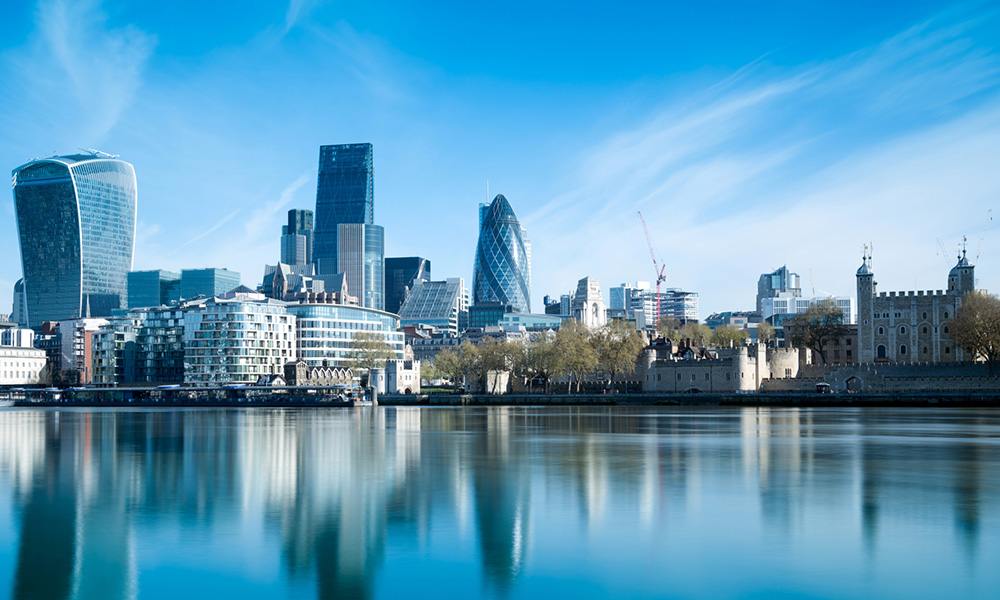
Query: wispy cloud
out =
(298, 9)
(753, 172)
(101, 66)
(218, 225)
(262, 220)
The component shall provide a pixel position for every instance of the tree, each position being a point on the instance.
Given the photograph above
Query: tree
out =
(498, 356)
(696, 332)
(976, 326)
(539, 359)
(669, 328)
(429, 371)
(725, 336)
(575, 354)
(617, 345)
(821, 323)
(765, 332)
(369, 350)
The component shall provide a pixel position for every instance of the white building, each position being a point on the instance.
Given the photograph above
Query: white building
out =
(785, 303)
(237, 340)
(324, 332)
(588, 303)
(444, 305)
(20, 364)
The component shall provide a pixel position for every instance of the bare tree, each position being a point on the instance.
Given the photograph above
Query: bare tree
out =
(617, 345)
(821, 323)
(976, 326)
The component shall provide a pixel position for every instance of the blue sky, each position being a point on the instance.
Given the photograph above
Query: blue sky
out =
(750, 135)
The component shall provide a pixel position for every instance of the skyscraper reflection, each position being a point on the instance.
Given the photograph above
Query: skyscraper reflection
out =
(348, 497)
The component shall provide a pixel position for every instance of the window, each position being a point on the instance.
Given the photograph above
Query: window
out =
(925, 350)
(924, 330)
(880, 351)
(902, 330)
(925, 315)
(788, 373)
(847, 342)
(881, 330)
(706, 376)
(902, 350)
(947, 350)
(946, 314)
(946, 329)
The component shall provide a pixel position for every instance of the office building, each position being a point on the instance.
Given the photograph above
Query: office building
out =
(401, 274)
(443, 305)
(153, 288)
(297, 238)
(146, 346)
(677, 304)
(76, 226)
(781, 282)
(207, 282)
(324, 332)
(784, 305)
(345, 193)
(489, 314)
(361, 260)
(20, 363)
(17, 315)
(502, 269)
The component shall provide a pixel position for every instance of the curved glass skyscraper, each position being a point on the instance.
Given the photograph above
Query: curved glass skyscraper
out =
(76, 228)
(502, 271)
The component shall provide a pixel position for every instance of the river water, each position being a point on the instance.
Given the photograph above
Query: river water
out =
(586, 502)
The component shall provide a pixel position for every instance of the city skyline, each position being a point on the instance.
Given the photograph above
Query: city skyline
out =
(881, 122)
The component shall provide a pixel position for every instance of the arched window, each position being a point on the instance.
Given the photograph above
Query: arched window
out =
(946, 314)
(925, 330)
(925, 350)
(902, 350)
(947, 350)
(925, 315)
(902, 330)
(946, 329)
(881, 330)
(880, 351)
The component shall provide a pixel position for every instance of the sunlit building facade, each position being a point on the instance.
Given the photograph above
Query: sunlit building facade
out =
(324, 332)
(443, 305)
(76, 220)
(362, 261)
(502, 270)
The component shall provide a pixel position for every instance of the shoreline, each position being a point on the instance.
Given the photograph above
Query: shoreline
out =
(981, 399)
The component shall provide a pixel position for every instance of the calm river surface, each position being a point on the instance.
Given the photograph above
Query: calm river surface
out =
(500, 502)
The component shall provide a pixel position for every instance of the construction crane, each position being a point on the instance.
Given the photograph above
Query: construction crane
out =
(982, 237)
(657, 266)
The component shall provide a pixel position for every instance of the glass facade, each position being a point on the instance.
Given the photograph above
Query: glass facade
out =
(76, 227)
(324, 331)
(297, 238)
(401, 274)
(502, 270)
(345, 193)
(440, 304)
(153, 288)
(362, 261)
(207, 282)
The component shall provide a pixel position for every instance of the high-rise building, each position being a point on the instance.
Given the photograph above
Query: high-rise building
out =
(207, 282)
(153, 288)
(345, 193)
(18, 315)
(361, 260)
(76, 227)
(502, 271)
(401, 274)
(780, 283)
(443, 305)
(297, 238)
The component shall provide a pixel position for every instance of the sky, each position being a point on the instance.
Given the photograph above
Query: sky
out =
(749, 135)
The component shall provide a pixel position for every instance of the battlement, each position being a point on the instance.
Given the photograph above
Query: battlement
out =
(911, 293)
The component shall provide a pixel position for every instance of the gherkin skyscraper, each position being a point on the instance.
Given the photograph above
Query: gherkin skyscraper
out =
(502, 271)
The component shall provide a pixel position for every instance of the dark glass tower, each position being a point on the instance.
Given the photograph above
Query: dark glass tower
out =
(400, 276)
(297, 238)
(502, 270)
(345, 193)
(76, 228)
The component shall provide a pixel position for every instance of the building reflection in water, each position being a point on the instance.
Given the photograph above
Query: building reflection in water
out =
(342, 491)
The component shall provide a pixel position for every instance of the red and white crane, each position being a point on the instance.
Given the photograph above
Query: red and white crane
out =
(659, 268)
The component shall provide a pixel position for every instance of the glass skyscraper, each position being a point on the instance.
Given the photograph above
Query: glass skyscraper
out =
(76, 228)
(502, 271)
(401, 274)
(345, 193)
(297, 238)
(153, 288)
(361, 252)
(207, 282)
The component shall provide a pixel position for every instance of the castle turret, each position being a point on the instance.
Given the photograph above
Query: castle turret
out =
(866, 315)
(962, 277)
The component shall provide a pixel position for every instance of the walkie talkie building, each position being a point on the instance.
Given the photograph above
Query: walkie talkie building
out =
(502, 270)
(76, 228)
